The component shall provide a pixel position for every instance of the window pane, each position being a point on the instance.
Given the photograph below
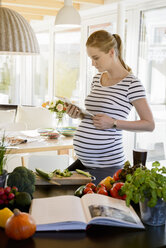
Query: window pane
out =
(152, 64)
(9, 79)
(40, 70)
(67, 64)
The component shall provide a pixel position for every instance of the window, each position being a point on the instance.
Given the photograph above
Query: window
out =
(24, 79)
(151, 70)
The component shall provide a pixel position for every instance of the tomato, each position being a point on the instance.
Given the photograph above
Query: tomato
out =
(92, 186)
(102, 191)
(90, 192)
(87, 189)
(115, 191)
(116, 175)
(101, 185)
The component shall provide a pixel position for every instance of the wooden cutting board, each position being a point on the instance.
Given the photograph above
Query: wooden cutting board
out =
(75, 179)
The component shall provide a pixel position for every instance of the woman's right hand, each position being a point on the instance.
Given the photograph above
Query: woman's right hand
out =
(73, 111)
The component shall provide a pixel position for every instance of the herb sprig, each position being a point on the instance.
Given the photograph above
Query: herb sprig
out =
(146, 183)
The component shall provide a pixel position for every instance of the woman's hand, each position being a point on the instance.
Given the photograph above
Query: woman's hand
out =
(103, 121)
(73, 111)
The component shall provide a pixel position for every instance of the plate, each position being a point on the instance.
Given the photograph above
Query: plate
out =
(67, 131)
(45, 131)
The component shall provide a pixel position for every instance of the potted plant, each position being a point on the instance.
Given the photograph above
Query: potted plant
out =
(3, 158)
(148, 188)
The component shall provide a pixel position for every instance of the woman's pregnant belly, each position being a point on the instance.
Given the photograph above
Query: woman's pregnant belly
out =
(96, 147)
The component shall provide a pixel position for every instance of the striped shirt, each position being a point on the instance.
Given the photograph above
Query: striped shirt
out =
(104, 147)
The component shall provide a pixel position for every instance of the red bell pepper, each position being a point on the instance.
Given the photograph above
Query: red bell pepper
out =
(115, 191)
(116, 175)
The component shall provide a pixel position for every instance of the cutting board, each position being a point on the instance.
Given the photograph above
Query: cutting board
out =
(75, 179)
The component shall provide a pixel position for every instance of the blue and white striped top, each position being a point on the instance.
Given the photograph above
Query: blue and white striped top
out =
(103, 147)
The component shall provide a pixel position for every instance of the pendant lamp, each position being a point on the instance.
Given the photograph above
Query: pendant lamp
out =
(16, 34)
(68, 15)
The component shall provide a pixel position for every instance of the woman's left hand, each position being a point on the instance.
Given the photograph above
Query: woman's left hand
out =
(103, 121)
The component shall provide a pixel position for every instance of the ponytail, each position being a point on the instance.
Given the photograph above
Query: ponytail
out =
(119, 52)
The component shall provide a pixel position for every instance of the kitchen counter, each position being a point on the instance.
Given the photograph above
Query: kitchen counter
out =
(95, 237)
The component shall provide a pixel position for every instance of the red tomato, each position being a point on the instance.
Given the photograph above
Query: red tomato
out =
(101, 185)
(102, 191)
(92, 186)
(90, 192)
(87, 189)
(115, 190)
(116, 175)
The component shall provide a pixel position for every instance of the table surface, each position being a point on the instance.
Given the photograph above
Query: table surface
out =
(37, 143)
(95, 237)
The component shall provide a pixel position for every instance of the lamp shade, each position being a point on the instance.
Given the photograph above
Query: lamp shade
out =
(68, 15)
(16, 34)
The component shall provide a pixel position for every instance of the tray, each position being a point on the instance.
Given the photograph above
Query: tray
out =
(75, 179)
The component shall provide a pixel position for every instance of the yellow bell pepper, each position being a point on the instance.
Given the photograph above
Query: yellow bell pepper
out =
(107, 182)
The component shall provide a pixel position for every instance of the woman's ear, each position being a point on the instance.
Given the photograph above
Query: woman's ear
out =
(112, 52)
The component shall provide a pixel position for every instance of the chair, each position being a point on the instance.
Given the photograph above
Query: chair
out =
(19, 126)
(46, 162)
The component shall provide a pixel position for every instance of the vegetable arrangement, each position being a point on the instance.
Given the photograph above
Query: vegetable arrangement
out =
(131, 183)
(108, 186)
(111, 186)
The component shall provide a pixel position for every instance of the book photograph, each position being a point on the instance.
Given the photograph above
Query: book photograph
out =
(106, 211)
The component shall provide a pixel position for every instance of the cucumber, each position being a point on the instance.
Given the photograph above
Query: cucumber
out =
(85, 173)
(44, 174)
(79, 191)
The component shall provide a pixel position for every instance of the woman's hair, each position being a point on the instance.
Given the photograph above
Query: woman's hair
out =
(105, 41)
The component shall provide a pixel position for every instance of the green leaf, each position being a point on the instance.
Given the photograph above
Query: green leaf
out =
(152, 184)
(164, 193)
(156, 164)
(129, 177)
(136, 198)
(159, 192)
(127, 201)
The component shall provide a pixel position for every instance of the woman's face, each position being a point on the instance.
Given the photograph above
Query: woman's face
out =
(99, 59)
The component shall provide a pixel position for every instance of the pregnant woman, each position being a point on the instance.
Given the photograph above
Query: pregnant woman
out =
(114, 91)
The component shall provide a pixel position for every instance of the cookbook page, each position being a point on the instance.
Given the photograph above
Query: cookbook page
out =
(105, 210)
(57, 209)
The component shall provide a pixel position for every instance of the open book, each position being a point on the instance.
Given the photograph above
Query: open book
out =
(66, 100)
(73, 213)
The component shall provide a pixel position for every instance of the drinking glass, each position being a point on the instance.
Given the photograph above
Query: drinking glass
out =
(139, 156)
